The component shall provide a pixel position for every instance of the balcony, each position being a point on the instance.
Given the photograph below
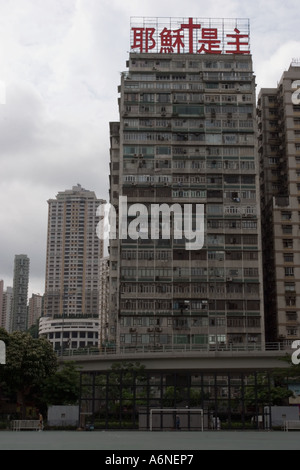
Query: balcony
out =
(281, 201)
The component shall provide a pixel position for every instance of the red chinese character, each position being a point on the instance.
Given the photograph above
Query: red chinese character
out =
(191, 26)
(210, 41)
(143, 39)
(167, 43)
(237, 43)
(178, 39)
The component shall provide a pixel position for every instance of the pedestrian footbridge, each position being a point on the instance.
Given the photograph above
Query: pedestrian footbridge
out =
(183, 357)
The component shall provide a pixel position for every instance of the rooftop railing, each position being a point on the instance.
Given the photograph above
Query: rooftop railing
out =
(175, 348)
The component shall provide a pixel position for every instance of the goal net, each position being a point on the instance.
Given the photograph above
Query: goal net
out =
(176, 418)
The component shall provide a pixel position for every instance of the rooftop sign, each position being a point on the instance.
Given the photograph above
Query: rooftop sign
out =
(190, 35)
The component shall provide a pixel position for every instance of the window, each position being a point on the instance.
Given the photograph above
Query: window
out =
(147, 97)
(287, 243)
(289, 287)
(289, 271)
(250, 240)
(163, 98)
(288, 257)
(250, 272)
(291, 316)
(292, 331)
(287, 229)
(273, 160)
(290, 301)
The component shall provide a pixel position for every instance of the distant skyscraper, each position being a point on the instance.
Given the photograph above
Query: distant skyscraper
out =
(34, 309)
(279, 152)
(1, 304)
(7, 308)
(20, 293)
(72, 270)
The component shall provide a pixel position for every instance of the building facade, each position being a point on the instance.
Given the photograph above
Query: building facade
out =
(187, 135)
(2, 318)
(35, 306)
(74, 251)
(20, 293)
(279, 152)
(104, 302)
(70, 333)
(7, 308)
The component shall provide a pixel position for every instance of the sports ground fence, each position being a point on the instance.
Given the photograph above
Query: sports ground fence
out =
(186, 400)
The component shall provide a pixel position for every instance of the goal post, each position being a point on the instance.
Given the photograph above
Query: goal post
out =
(178, 412)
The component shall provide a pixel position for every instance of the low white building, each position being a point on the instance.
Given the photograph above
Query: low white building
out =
(70, 333)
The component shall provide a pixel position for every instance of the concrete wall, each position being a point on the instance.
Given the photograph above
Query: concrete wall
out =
(282, 413)
(63, 416)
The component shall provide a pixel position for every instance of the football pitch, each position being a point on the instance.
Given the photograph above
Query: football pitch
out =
(114, 441)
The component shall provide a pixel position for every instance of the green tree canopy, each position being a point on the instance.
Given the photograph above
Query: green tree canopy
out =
(62, 388)
(29, 361)
(265, 391)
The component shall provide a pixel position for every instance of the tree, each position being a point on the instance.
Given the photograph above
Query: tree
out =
(28, 362)
(172, 396)
(266, 390)
(62, 388)
(34, 330)
(126, 376)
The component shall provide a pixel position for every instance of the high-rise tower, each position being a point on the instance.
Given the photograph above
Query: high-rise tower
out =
(187, 135)
(20, 293)
(279, 151)
(74, 251)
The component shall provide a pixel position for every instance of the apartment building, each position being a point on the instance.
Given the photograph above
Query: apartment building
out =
(35, 306)
(7, 309)
(278, 114)
(104, 302)
(74, 251)
(187, 135)
(19, 316)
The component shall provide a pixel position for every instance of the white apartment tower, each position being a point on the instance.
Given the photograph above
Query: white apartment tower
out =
(74, 250)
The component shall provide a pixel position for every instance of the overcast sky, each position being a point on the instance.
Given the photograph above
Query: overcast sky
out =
(60, 61)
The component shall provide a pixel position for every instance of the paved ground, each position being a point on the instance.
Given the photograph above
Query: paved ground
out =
(154, 441)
